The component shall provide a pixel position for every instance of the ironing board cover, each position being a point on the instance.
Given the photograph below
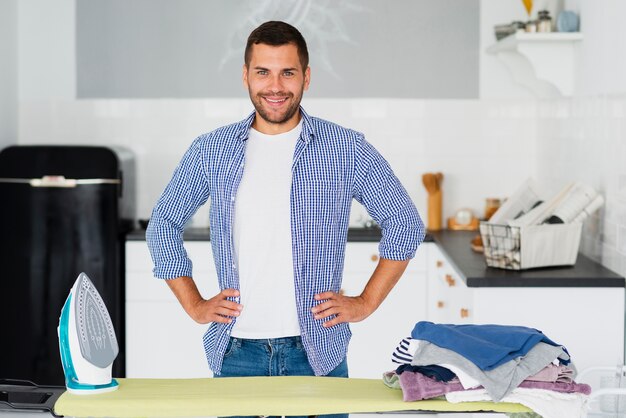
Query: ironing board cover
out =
(284, 395)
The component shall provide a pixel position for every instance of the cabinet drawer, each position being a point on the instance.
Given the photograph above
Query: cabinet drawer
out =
(449, 299)
(163, 342)
(138, 256)
(363, 257)
(143, 286)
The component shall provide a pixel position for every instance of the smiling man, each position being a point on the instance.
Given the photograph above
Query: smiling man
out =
(281, 184)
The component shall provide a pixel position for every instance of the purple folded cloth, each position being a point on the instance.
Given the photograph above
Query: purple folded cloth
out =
(562, 387)
(553, 373)
(416, 387)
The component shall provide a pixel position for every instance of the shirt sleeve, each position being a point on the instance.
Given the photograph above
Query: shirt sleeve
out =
(185, 193)
(381, 193)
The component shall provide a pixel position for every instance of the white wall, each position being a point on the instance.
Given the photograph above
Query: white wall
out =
(483, 147)
(8, 72)
(47, 58)
(584, 137)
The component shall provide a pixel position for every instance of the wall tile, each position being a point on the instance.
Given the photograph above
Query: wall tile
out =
(414, 135)
(589, 146)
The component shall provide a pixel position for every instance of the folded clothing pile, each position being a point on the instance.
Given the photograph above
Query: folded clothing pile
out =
(505, 363)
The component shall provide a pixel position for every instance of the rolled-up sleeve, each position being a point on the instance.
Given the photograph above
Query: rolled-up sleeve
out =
(185, 193)
(388, 203)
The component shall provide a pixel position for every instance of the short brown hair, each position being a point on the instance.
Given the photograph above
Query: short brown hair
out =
(277, 33)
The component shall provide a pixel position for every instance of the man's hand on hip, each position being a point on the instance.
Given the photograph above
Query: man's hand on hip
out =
(203, 311)
(357, 308)
(217, 309)
(345, 308)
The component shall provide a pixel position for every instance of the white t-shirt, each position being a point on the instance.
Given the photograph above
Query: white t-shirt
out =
(262, 238)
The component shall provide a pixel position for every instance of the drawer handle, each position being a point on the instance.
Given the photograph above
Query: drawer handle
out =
(374, 257)
(450, 280)
(439, 263)
(464, 313)
(440, 304)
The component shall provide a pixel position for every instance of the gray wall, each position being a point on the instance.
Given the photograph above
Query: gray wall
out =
(358, 48)
(8, 72)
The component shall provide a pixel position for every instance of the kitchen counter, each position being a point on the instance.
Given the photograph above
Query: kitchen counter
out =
(202, 234)
(472, 268)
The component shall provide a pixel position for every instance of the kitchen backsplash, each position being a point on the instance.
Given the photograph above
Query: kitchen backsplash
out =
(584, 138)
(484, 148)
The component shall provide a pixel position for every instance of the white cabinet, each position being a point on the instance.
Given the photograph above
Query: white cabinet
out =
(162, 341)
(588, 321)
(450, 301)
(374, 339)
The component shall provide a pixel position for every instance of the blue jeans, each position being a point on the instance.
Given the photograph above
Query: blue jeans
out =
(272, 357)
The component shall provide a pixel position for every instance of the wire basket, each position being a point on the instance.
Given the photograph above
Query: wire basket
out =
(518, 248)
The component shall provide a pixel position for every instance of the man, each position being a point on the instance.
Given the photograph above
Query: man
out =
(280, 185)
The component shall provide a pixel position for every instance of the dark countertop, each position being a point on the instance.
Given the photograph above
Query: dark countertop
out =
(471, 265)
(202, 234)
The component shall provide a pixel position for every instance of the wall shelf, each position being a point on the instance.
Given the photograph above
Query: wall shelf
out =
(542, 62)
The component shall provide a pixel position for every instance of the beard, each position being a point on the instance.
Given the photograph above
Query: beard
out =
(270, 115)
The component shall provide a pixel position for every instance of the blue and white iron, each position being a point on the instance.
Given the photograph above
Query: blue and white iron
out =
(87, 340)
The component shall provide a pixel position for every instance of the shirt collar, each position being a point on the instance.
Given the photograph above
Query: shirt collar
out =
(308, 131)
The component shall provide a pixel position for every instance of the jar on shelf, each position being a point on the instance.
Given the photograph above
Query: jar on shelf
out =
(531, 26)
(544, 22)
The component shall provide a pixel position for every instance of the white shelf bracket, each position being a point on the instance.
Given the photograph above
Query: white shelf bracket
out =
(542, 62)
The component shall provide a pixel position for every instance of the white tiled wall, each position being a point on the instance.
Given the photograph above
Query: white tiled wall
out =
(484, 148)
(584, 139)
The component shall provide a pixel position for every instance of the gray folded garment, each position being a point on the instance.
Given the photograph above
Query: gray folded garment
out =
(500, 381)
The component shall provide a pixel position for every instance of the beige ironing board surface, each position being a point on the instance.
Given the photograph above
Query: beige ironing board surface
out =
(284, 395)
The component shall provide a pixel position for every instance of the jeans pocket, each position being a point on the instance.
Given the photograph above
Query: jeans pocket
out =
(232, 346)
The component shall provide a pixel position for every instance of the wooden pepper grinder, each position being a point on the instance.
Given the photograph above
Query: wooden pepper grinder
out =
(432, 183)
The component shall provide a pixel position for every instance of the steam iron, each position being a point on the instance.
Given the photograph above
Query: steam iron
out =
(87, 340)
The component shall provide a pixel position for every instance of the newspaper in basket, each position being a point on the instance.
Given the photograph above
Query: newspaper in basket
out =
(532, 246)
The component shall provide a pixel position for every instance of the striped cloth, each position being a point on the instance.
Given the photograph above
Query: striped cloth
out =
(404, 351)
(332, 165)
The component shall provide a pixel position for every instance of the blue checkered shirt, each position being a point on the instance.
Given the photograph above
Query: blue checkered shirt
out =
(331, 166)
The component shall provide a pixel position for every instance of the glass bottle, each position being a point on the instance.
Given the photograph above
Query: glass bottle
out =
(544, 22)
(531, 26)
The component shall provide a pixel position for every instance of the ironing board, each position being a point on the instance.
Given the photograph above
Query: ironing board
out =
(284, 395)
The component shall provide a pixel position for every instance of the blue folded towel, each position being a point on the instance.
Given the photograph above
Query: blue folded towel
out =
(487, 346)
